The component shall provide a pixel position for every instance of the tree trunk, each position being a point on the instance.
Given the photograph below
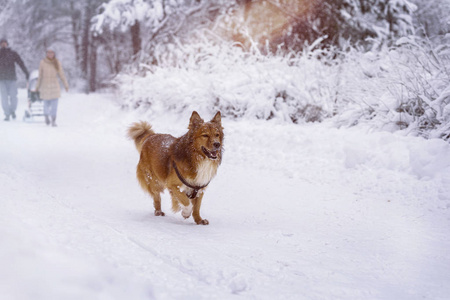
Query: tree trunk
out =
(75, 20)
(136, 37)
(87, 15)
(93, 66)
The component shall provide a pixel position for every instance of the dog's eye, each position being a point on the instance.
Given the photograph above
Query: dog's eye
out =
(217, 135)
(205, 135)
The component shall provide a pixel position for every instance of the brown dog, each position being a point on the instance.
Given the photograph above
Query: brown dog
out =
(183, 165)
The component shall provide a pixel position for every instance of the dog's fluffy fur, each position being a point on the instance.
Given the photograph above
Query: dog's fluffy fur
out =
(196, 155)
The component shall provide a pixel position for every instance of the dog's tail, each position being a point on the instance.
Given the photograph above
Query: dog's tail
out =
(138, 132)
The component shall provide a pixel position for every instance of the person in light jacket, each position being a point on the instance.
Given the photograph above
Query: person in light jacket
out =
(50, 69)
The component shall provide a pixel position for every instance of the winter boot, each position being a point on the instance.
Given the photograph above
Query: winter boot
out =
(47, 120)
(53, 121)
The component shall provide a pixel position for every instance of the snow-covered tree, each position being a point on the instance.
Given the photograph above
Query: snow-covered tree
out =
(37, 25)
(289, 24)
(433, 17)
(151, 24)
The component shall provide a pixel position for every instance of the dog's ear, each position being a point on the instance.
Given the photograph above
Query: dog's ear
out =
(195, 120)
(217, 118)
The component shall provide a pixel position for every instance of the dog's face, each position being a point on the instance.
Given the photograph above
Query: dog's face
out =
(207, 136)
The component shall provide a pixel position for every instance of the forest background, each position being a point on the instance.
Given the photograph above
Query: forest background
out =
(385, 63)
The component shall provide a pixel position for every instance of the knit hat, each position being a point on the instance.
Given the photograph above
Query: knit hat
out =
(3, 39)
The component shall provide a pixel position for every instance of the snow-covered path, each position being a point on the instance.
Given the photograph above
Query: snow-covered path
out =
(296, 212)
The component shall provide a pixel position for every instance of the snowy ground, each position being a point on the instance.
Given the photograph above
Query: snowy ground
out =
(296, 212)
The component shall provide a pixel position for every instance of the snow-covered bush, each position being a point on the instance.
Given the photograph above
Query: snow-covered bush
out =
(423, 87)
(404, 87)
(240, 84)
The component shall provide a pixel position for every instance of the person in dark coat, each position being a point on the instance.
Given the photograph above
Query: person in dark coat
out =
(8, 78)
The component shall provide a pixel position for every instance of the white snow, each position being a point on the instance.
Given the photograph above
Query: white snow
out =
(295, 211)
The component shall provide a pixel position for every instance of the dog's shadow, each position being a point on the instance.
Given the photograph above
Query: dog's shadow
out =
(149, 219)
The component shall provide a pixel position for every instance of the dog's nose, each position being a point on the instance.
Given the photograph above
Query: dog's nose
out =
(216, 145)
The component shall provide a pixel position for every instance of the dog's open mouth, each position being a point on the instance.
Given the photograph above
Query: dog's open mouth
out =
(210, 154)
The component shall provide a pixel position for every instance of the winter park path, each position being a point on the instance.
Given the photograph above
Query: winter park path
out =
(296, 212)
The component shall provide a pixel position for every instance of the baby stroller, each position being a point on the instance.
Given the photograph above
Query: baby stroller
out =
(35, 104)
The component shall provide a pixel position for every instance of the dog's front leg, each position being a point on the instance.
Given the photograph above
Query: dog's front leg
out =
(197, 202)
(181, 201)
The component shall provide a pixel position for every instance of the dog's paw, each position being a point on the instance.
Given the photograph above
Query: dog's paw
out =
(159, 213)
(203, 222)
(186, 211)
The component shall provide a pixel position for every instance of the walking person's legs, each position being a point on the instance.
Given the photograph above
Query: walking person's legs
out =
(47, 104)
(5, 100)
(12, 92)
(53, 110)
